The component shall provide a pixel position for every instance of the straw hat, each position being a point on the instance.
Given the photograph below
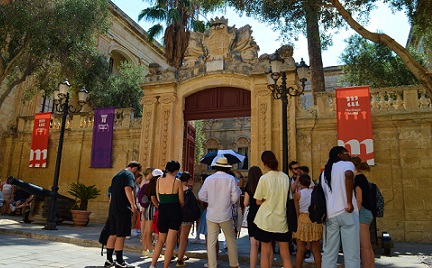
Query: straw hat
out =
(222, 162)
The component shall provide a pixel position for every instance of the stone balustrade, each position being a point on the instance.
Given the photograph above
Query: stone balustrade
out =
(383, 100)
(123, 118)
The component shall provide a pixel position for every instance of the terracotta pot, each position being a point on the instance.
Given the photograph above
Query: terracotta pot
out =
(80, 217)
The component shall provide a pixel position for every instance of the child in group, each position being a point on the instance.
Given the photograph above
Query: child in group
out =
(307, 230)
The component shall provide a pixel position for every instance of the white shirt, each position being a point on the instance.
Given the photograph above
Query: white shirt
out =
(220, 191)
(336, 199)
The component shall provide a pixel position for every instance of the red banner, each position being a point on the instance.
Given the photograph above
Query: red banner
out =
(355, 122)
(39, 147)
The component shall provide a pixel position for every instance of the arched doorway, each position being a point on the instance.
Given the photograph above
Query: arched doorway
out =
(215, 103)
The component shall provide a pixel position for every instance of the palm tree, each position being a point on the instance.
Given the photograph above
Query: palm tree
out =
(180, 16)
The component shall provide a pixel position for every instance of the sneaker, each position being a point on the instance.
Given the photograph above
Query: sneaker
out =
(109, 263)
(128, 237)
(123, 265)
(180, 263)
(12, 208)
(145, 254)
(134, 232)
(307, 254)
(150, 253)
(152, 266)
(311, 259)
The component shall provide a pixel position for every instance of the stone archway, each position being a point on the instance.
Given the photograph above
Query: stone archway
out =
(235, 71)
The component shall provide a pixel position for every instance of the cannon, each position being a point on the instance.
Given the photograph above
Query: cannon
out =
(39, 206)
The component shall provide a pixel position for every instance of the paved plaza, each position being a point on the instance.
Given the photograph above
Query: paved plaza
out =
(28, 245)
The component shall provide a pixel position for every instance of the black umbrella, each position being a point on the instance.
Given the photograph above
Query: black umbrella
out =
(232, 156)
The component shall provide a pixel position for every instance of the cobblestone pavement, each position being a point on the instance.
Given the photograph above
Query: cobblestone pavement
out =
(28, 245)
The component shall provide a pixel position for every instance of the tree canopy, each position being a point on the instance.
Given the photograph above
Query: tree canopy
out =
(179, 16)
(52, 40)
(121, 90)
(374, 64)
(294, 17)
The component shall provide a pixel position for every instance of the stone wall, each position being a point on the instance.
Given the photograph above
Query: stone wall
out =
(75, 165)
(403, 143)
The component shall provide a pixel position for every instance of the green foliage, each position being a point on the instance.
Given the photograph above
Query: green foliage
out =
(52, 40)
(368, 63)
(179, 17)
(121, 90)
(199, 141)
(83, 194)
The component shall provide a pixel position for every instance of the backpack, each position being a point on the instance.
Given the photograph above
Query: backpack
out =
(103, 236)
(317, 209)
(377, 200)
(190, 209)
(142, 197)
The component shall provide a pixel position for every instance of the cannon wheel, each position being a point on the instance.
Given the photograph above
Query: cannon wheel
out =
(26, 216)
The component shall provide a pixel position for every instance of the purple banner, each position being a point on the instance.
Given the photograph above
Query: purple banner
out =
(102, 138)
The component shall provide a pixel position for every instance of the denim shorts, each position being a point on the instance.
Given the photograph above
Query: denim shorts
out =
(365, 216)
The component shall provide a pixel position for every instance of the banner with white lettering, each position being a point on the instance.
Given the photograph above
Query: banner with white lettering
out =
(102, 138)
(40, 135)
(354, 120)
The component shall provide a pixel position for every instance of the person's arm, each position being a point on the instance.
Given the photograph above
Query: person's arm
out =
(180, 191)
(246, 199)
(235, 193)
(130, 197)
(296, 203)
(294, 184)
(154, 201)
(203, 194)
(258, 193)
(359, 196)
(349, 185)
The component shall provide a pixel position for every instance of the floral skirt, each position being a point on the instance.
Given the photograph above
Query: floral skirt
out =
(308, 231)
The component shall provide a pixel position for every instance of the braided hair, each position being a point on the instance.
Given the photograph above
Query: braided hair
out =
(333, 158)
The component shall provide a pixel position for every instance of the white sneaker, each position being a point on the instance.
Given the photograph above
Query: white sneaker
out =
(311, 259)
(134, 232)
(12, 207)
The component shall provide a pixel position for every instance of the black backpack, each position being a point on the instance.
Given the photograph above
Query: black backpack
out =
(377, 200)
(190, 209)
(103, 236)
(317, 209)
(143, 199)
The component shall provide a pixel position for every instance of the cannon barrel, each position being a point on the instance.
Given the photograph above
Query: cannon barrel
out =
(35, 190)
(64, 204)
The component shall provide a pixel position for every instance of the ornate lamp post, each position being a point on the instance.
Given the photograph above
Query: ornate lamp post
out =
(281, 92)
(61, 102)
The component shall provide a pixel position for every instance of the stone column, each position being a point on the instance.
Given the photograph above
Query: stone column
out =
(147, 130)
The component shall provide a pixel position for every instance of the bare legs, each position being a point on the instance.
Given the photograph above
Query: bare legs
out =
(184, 234)
(366, 251)
(254, 244)
(170, 239)
(146, 232)
(267, 254)
(301, 249)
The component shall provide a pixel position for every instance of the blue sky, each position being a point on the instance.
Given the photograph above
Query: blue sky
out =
(395, 25)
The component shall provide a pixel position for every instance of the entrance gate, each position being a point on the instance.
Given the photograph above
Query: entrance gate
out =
(212, 83)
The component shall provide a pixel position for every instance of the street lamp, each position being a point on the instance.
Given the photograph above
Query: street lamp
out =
(61, 102)
(281, 92)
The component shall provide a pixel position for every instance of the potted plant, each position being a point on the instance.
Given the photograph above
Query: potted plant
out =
(82, 193)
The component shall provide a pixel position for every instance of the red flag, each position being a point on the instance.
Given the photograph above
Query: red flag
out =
(355, 122)
(40, 135)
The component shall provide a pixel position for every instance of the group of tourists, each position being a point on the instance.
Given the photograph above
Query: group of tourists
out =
(163, 219)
